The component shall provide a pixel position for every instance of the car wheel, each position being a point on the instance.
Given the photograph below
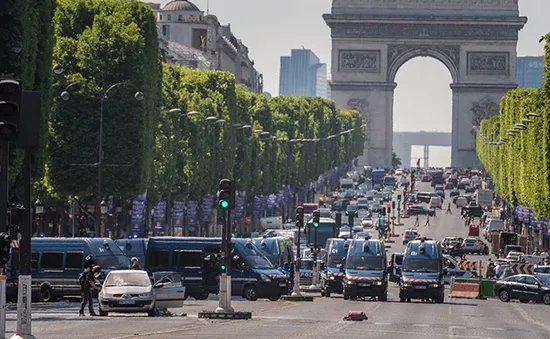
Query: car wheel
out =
(152, 312)
(103, 313)
(251, 293)
(46, 294)
(346, 296)
(383, 296)
(327, 294)
(201, 297)
(504, 295)
(274, 298)
(546, 298)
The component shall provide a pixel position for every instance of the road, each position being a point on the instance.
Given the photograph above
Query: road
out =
(322, 318)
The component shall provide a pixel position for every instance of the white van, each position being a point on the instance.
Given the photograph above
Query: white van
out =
(453, 270)
(436, 202)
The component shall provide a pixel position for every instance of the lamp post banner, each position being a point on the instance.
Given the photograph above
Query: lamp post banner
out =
(138, 213)
(159, 215)
(178, 212)
(206, 208)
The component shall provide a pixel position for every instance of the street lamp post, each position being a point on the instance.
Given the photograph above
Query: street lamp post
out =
(39, 210)
(65, 95)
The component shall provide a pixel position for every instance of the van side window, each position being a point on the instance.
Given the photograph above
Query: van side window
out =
(74, 260)
(34, 259)
(190, 258)
(52, 260)
(159, 258)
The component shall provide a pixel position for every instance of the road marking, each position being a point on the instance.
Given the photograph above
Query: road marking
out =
(421, 325)
(495, 328)
(456, 327)
(528, 318)
(382, 324)
(410, 334)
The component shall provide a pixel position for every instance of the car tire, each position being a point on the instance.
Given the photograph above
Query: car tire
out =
(440, 298)
(152, 312)
(201, 297)
(383, 296)
(327, 294)
(274, 298)
(504, 295)
(251, 293)
(346, 296)
(546, 298)
(103, 313)
(46, 294)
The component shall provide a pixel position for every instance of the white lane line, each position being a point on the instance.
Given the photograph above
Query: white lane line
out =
(382, 324)
(528, 318)
(421, 325)
(495, 328)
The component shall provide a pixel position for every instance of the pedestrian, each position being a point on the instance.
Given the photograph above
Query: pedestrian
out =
(434, 211)
(449, 209)
(417, 221)
(87, 280)
(490, 269)
(135, 264)
(427, 220)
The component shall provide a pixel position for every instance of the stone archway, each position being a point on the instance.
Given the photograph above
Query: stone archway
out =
(371, 39)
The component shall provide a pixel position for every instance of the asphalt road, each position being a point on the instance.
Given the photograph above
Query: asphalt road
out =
(322, 318)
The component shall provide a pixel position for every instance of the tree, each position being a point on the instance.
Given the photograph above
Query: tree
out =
(395, 161)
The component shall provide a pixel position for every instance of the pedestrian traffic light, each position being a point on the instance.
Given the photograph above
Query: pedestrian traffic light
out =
(316, 217)
(299, 216)
(393, 204)
(5, 247)
(10, 103)
(226, 196)
(399, 198)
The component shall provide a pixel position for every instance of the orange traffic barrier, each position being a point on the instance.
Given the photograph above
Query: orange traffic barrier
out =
(465, 290)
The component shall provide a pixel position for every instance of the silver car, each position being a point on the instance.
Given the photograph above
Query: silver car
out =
(306, 271)
(131, 291)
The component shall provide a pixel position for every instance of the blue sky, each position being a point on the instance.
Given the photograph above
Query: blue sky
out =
(272, 28)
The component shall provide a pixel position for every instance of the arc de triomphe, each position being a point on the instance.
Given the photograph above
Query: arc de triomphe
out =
(371, 39)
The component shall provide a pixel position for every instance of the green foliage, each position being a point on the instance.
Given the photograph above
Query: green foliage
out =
(184, 145)
(100, 43)
(519, 166)
(395, 161)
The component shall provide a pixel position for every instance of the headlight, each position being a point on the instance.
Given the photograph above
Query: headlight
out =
(146, 295)
(435, 285)
(350, 282)
(406, 285)
(265, 277)
(379, 283)
(331, 277)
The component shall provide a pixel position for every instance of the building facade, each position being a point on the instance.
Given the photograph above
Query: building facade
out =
(302, 74)
(190, 38)
(529, 71)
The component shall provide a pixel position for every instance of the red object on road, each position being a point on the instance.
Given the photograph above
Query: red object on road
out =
(356, 316)
(473, 231)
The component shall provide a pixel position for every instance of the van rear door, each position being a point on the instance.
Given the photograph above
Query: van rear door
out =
(395, 266)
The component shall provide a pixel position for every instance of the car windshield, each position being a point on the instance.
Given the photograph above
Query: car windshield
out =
(335, 260)
(422, 265)
(138, 278)
(365, 263)
(306, 265)
(112, 262)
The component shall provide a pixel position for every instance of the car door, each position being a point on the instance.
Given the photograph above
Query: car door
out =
(169, 290)
(531, 288)
(517, 288)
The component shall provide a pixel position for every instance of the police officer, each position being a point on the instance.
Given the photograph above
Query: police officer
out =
(88, 279)
(135, 264)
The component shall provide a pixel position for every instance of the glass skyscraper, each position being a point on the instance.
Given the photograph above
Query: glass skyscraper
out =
(302, 74)
(529, 72)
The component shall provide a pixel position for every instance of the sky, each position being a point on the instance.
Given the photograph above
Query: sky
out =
(271, 29)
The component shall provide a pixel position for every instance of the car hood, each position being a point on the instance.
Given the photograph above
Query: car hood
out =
(420, 277)
(366, 274)
(125, 289)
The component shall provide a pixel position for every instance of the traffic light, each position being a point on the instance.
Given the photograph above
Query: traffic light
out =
(299, 217)
(389, 208)
(226, 196)
(222, 263)
(393, 204)
(383, 211)
(399, 198)
(316, 217)
(404, 192)
(5, 246)
(10, 103)
(380, 214)
(530, 226)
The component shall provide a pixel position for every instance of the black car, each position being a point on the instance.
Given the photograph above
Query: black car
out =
(460, 185)
(470, 189)
(420, 210)
(525, 287)
(454, 193)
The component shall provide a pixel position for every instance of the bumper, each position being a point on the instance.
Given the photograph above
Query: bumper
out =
(364, 289)
(421, 291)
(272, 288)
(333, 286)
(117, 305)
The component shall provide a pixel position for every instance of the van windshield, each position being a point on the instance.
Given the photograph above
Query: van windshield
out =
(253, 255)
(112, 262)
(365, 263)
(422, 265)
(335, 260)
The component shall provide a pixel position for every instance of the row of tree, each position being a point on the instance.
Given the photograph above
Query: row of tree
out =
(148, 145)
(519, 160)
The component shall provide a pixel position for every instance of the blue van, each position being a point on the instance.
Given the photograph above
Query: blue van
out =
(331, 275)
(279, 250)
(423, 272)
(56, 264)
(365, 270)
(135, 247)
(198, 260)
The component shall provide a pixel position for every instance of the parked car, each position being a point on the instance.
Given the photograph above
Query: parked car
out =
(409, 235)
(525, 287)
(131, 291)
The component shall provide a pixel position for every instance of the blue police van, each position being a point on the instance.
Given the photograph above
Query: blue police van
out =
(279, 250)
(423, 272)
(56, 264)
(134, 248)
(253, 276)
(331, 275)
(365, 270)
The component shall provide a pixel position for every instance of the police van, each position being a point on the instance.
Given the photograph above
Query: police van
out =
(365, 270)
(454, 270)
(423, 272)
(331, 275)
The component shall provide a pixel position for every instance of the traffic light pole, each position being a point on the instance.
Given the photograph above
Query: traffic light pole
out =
(315, 281)
(4, 187)
(350, 223)
(228, 259)
(296, 294)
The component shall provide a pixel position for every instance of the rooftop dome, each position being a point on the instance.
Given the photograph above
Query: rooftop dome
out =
(180, 5)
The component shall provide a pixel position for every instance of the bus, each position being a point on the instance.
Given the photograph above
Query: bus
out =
(326, 230)
(378, 176)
